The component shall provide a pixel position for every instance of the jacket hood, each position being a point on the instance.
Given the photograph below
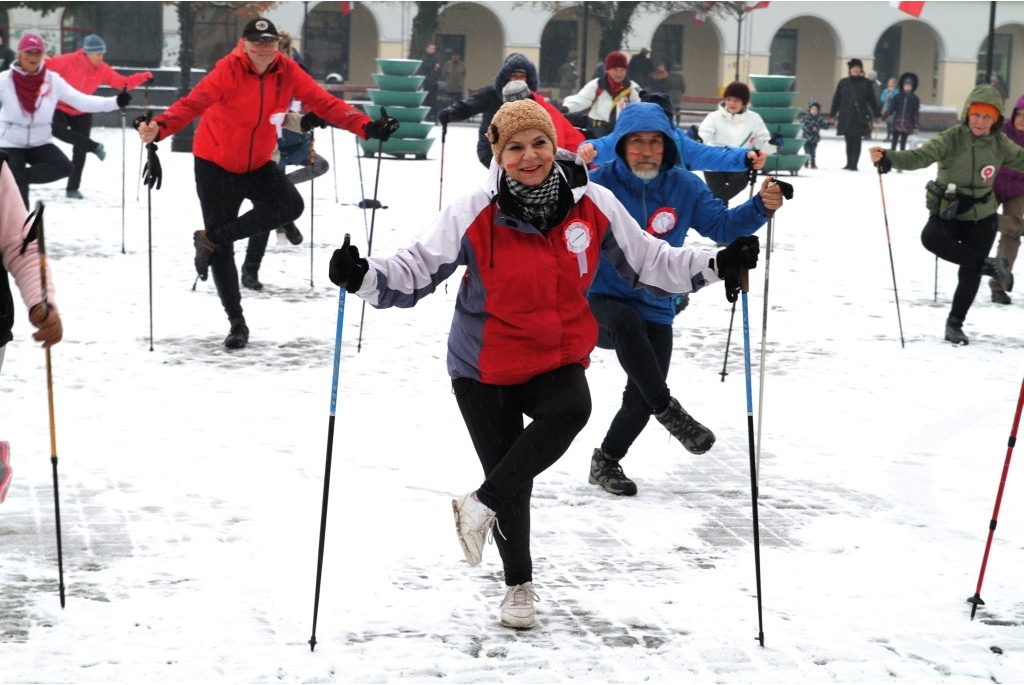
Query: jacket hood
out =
(908, 76)
(988, 95)
(517, 62)
(645, 116)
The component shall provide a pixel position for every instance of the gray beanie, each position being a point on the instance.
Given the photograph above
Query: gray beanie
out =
(515, 90)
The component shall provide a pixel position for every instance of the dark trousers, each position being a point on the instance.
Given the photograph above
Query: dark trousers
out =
(43, 164)
(812, 150)
(725, 185)
(901, 139)
(853, 144)
(644, 350)
(256, 246)
(221, 193)
(966, 243)
(512, 455)
(75, 130)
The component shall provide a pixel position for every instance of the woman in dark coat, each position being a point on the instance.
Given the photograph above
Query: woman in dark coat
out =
(854, 107)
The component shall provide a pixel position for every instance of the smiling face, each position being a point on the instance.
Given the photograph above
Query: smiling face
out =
(528, 157)
(618, 74)
(261, 53)
(645, 151)
(734, 105)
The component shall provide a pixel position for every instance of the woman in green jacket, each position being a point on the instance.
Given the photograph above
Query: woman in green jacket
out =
(961, 225)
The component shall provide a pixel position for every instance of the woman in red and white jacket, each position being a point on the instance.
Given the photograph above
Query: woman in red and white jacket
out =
(85, 70)
(531, 240)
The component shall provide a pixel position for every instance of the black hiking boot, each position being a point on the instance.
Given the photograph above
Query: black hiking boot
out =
(606, 472)
(204, 250)
(239, 335)
(999, 269)
(292, 233)
(1000, 297)
(250, 277)
(696, 438)
(955, 331)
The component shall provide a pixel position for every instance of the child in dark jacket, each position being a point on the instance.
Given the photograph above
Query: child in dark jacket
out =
(813, 124)
(903, 108)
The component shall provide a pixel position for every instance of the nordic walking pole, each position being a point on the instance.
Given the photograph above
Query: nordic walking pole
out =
(312, 200)
(892, 265)
(330, 453)
(37, 232)
(153, 176)
(362, 193)
(935, 292)
(373, 216)
(440, 185)
(744, 287)
(732, 315)
(334, 166)
(976, 600)
(145, 108)
(124, 154)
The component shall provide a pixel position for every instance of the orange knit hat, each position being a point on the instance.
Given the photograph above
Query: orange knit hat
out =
(983, 108)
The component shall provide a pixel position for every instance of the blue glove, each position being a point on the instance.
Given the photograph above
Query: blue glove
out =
(443, 117)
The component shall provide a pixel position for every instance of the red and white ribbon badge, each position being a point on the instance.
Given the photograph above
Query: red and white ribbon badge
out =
(662, 221)
(578, 236)
(988, 173)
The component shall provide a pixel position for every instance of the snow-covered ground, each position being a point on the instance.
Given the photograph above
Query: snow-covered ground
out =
(191, 477)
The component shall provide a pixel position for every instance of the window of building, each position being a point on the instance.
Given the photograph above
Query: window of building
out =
(557, 41)
(782, 55)
(667, 45)
(1002, 54)
(325, 49)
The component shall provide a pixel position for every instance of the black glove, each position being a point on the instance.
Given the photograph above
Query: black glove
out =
(884, 165)
(140, 120)
(382, 128)
(347, 268)
(309, 121)
(443, 117)
(152, 174)
(738, 256)
(123, 98)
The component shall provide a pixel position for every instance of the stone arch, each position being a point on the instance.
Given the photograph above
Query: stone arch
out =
(1008, 38)
(327, 47)
(911, 46)
(482, 36)
(805, 47)
(562, 34)
(696, 48)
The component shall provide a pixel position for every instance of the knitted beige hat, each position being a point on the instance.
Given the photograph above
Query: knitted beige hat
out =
(517, 116)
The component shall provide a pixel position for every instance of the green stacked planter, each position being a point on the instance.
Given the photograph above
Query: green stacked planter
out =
(773, 100)
(398, 93)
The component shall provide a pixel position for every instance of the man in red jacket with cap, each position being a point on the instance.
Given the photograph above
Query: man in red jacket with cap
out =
(242, 102)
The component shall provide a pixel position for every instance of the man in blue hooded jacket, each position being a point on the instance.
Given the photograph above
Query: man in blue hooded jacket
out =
(666, 200)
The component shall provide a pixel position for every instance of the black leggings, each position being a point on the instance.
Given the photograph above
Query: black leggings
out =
(75, 130)
(43, 164)
(275, 202)
(513, 454)
(966, 243)
(900, 138)
(644, 350)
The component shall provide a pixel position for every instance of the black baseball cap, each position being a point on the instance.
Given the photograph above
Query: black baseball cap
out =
(259, 29)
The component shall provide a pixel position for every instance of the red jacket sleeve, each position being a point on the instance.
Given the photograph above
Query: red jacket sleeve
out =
(333, 110)
(116, 81)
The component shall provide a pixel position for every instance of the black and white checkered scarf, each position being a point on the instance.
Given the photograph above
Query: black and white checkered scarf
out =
(537, 203)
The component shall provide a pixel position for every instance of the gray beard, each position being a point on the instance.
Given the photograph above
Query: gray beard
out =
(646, 175)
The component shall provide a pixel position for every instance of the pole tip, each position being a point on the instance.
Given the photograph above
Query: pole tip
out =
(312, 643)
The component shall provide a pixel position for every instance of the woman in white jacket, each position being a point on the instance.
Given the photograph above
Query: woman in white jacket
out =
(28, 96)
(733, 125)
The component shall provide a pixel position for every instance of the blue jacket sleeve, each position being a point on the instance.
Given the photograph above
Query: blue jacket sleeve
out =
(605, 151)
(713, 220)
(700, 157)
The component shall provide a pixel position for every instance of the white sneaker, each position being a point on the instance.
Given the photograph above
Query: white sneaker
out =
(5, 469)
(473, 523)
(517, 607)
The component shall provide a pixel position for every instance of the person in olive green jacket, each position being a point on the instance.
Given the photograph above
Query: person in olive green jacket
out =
(961, 226)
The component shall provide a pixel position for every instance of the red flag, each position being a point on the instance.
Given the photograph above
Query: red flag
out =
(346, 8)
(702, 14)
(914, 9)
(755, 6)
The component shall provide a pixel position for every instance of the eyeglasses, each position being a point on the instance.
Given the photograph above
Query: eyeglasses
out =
(262, 41)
